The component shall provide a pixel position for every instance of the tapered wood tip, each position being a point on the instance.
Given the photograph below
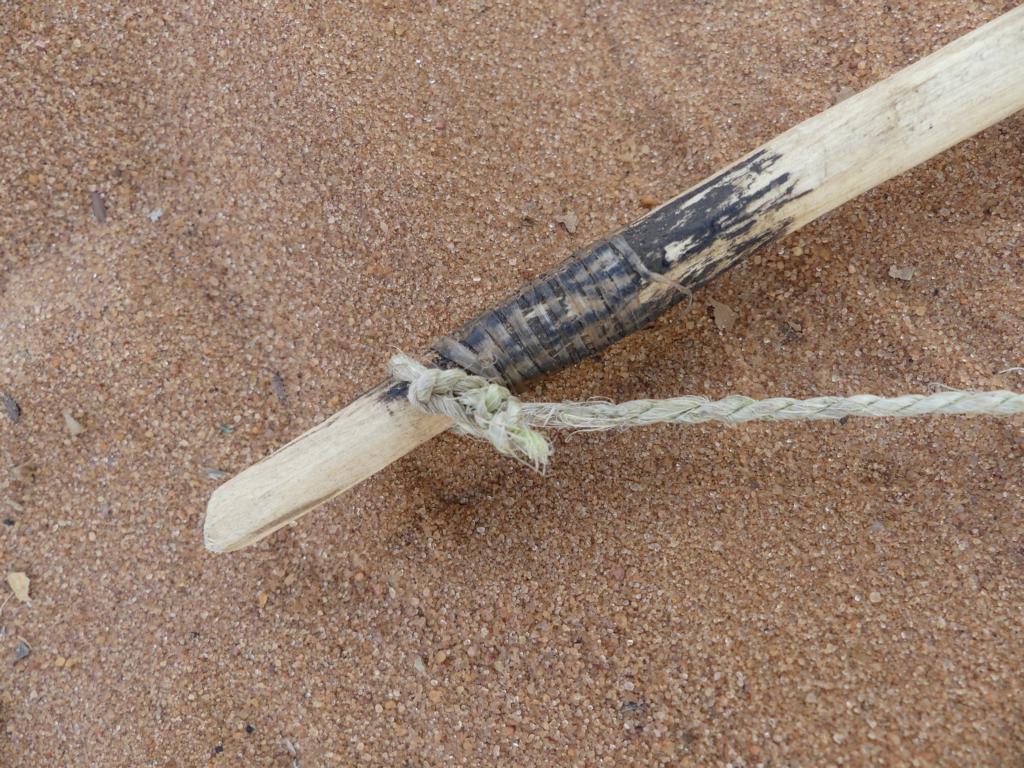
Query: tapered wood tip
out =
(356, 442)
(222, 531)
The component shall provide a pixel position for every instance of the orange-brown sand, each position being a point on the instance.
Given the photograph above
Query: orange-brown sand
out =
(291, 191)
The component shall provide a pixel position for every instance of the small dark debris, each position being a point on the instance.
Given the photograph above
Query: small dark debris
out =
(789, 333)
(844, 420)
(218, 749)
(25, 472)
(844, 93)
(633, 706)
(99, 209)
(249, 728)
(9, 521)
(193, 635)
(21, 651)
(12, 408)
(277, 384)
(690, 736)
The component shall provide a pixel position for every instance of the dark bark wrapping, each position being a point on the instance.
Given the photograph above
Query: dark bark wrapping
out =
(619, 285)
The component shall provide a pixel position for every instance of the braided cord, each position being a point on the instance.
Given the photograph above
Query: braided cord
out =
(489, 411)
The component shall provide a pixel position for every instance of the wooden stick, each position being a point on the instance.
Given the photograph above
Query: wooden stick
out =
(622, 283)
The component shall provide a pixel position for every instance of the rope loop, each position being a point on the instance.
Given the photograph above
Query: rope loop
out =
(479, 408)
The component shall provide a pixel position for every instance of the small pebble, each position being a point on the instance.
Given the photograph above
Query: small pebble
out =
(725, 316)
(875, 597)
(11, 408)
(901, 273)
(99, 209)
(568, 220)
(21, 651)
(73, 425)
(25, 472)
(19, 583)
(277, 384)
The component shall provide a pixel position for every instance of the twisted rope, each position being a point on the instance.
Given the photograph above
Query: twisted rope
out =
(489, 411)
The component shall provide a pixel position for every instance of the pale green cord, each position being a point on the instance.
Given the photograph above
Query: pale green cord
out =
(491, 412)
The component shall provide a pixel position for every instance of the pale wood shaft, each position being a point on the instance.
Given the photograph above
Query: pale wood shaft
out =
(364, 437)
(624, 281)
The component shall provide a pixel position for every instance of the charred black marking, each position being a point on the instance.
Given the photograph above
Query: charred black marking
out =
(723, 208)
(597, 297)
(399, 390)
(737, 252)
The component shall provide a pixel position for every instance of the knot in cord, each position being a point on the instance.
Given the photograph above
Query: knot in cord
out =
(490, 412)
(479, 408)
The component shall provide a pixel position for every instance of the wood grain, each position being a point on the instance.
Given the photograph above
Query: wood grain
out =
(623, 282)
(364, 437)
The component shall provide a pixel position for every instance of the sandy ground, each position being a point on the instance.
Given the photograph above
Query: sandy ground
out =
(290, 192)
